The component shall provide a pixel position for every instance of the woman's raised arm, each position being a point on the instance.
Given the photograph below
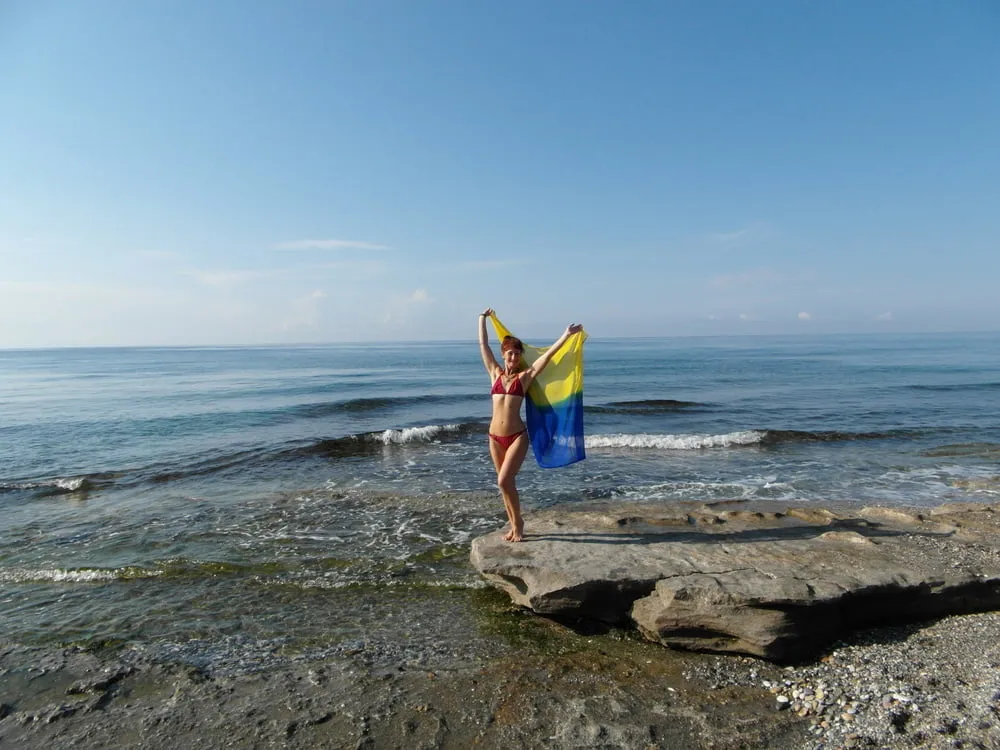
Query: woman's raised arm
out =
(489, 361)
(539, 364)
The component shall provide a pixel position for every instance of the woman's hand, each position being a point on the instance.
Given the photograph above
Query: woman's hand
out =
(573, 328)
(486, 313)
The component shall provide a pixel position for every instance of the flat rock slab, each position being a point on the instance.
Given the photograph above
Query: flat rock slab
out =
(779, 582)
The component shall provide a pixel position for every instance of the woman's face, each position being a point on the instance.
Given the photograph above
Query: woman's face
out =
(511, 358)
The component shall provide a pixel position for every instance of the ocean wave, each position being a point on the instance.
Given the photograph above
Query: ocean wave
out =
(18, 486)
(202, 467)
(965, 450)
(740, 438)
(60, 485)
(948, 387)
(989, 485)
(647, 406)
(361, 444)
(414, 434)
(776, 437)
(368, 442)
(159, 473)
(342, 447)
(675, 442)
(381, 403)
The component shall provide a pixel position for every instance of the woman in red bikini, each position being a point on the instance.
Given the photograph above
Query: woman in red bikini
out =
(508, 435)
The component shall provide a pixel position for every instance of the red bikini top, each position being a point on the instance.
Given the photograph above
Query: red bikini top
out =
(516, 389)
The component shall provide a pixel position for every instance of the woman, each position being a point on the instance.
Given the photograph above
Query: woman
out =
(508, 435)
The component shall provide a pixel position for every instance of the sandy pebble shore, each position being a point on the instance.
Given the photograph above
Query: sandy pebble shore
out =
(929, 685)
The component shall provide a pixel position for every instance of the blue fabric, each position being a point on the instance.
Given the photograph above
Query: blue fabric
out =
(556, 432)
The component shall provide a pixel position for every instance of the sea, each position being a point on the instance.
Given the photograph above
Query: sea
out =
(219, 505)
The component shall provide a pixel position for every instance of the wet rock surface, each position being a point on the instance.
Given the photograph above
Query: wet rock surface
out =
(541, 685)
(780, 583)
(928, 685)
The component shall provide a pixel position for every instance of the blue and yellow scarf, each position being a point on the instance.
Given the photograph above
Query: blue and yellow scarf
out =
(555, 402)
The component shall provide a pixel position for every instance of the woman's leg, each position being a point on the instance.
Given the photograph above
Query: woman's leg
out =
(497, 452)
(510, 462)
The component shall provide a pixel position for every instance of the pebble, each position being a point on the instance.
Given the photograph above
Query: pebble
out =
(894, 688)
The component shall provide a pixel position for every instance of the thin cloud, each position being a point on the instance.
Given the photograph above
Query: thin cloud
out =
(157, 254)
(884, 316)
(401, 309)
(489, 265)
(46, 239)
(805, 316)
(228, 278)
(328, 245)
(756, 277)
(729, 238)
(304, 312)
(739, 237)
(222, 278)
(366, 265)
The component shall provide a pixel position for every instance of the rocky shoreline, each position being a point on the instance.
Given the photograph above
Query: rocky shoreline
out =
(927, 685)
(519, 679)
(542, 685)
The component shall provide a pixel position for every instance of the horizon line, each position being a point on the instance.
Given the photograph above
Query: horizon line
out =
(590, 337)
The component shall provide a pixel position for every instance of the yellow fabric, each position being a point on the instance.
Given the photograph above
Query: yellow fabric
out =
(562, 378)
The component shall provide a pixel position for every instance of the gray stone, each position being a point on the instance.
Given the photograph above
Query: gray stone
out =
(778, 583)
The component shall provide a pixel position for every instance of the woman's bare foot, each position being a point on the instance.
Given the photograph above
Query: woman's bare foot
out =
(516, 533)
(508, 535)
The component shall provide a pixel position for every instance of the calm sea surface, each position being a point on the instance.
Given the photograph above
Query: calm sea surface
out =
(305, 497)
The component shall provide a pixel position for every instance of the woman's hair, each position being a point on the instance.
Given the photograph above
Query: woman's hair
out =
(511, 342)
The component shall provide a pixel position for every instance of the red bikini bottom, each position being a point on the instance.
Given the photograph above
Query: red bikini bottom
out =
(505, 441)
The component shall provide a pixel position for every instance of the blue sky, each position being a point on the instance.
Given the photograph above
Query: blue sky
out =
(201, 173)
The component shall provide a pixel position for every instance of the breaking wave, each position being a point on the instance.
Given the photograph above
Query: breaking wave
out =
(675, 442)
(414, 434)
(60, 485)
(369, 442)
(741, 438)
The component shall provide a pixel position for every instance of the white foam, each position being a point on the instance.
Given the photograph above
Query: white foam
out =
(674, 442)
(328, 583)
(19, 486)
(413, 434)
(302, 537)
(748, 489)
(83, 575)
(70, 484)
